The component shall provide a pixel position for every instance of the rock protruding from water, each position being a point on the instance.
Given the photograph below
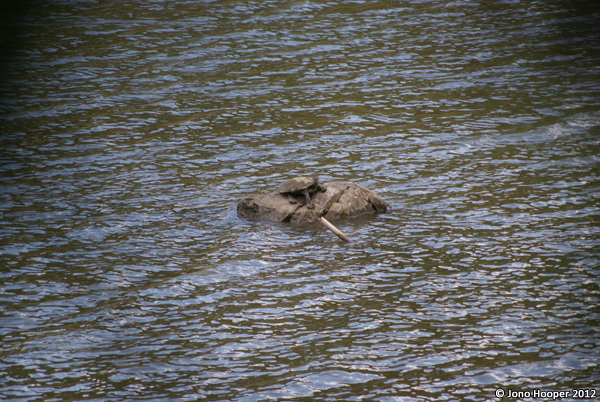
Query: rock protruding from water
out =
(343, 199)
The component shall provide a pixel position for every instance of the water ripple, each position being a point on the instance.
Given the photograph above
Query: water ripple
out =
(130, 131)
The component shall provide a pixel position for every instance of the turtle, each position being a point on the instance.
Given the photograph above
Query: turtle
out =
(301, 186)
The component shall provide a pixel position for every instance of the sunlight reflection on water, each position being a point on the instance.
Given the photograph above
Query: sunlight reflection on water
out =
(130, 131)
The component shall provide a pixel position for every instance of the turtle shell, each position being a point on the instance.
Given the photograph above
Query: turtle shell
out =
(296, 184)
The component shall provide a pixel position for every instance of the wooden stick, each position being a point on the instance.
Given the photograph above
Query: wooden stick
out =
(335, 230)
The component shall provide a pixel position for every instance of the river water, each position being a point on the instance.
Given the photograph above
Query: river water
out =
(130, 130)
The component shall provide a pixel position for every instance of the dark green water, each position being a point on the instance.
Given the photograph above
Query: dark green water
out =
(128, 133)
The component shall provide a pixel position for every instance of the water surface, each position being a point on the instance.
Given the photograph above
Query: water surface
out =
(128, 133)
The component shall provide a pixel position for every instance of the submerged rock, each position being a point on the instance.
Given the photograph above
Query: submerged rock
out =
(343, 199)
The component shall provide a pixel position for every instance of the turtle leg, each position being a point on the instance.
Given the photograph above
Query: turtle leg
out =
(291, 198)
(309, 204)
